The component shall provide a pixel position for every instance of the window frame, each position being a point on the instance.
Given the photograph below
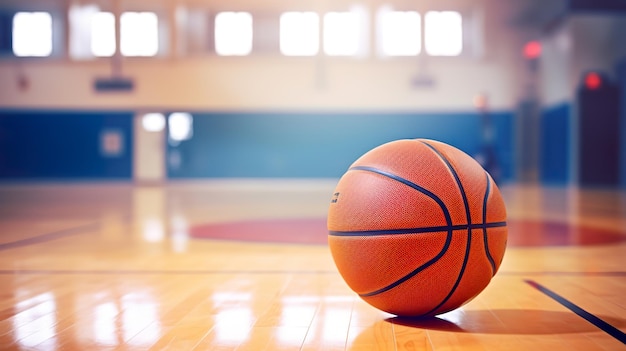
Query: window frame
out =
(472, 22)
(425, 33)
(380, 36)
(216, 32)
(363, 32)
(318, 43)
(59, 41)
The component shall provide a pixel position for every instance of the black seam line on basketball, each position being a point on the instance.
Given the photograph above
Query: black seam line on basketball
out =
(416, 271)
(446, 214)
(420, 230)
(485, 238)
(469, 231)
(457, 180)
(424, 191)
(604, 326)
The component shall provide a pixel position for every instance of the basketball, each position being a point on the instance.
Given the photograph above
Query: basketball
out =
(417, 227)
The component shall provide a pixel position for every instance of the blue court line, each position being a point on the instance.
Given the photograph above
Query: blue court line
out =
(594, 274)
(606, 327)
(48, 236)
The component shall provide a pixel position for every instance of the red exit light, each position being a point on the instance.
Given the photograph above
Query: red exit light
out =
(532, 50)
(593, 81)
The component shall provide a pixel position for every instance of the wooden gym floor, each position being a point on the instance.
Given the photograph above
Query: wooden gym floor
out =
(122, 267)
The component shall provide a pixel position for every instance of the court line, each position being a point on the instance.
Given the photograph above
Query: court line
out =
(48, 236)
(606, 327)
(602, 274)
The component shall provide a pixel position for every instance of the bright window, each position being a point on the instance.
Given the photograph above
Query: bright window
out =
(153, 122)
(443, 33)
(233, 33)
(399, 33)
(103, 34)
(32, 34)
(139, 33)
(299, 33)
(180, 127)
(341, 33)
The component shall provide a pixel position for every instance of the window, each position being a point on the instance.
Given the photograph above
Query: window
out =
(139, 32)
(233, 33)
(153, 122)
(299, 33)
(399, 33)
(341, 33)
(443, 33)
(103, 34)
(32, 34)
(180, 125)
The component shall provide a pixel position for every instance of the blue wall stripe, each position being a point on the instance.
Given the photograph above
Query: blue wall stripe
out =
(621, 81)
(58, 144)
(65, 144)
(319, 144)
(554, 145)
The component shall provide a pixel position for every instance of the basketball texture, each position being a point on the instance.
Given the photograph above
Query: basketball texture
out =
(417, 227)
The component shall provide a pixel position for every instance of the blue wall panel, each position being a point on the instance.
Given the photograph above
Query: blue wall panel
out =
(555, 145)
(62, 145)
(621, 81)
(503, 143)
(66, 144)
(319, 144)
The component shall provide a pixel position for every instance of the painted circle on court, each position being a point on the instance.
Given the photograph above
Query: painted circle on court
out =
(522, 233)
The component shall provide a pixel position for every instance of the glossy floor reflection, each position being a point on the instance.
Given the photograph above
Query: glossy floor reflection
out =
(114, 267)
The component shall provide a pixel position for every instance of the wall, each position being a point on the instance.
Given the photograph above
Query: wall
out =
(622, 85)
(50, 144)
(581, 42)
(556, 125)
(555, 145)
(272, 82)
(370, 95)
(319, 144)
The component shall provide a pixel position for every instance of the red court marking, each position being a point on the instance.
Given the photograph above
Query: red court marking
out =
(522, 233)
(547, 233)
(296, 231)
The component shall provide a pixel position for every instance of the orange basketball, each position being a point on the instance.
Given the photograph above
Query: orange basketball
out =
(417, 227)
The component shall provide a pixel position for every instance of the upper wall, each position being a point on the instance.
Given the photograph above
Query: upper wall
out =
(273, 82)
(555, 66)
(581, 42)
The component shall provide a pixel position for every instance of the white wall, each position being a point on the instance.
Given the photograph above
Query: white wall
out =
(555, 66)
(582, 42)
(273, 82)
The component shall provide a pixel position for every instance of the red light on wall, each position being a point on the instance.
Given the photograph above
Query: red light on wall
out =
(532, 50)
(593, 81)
